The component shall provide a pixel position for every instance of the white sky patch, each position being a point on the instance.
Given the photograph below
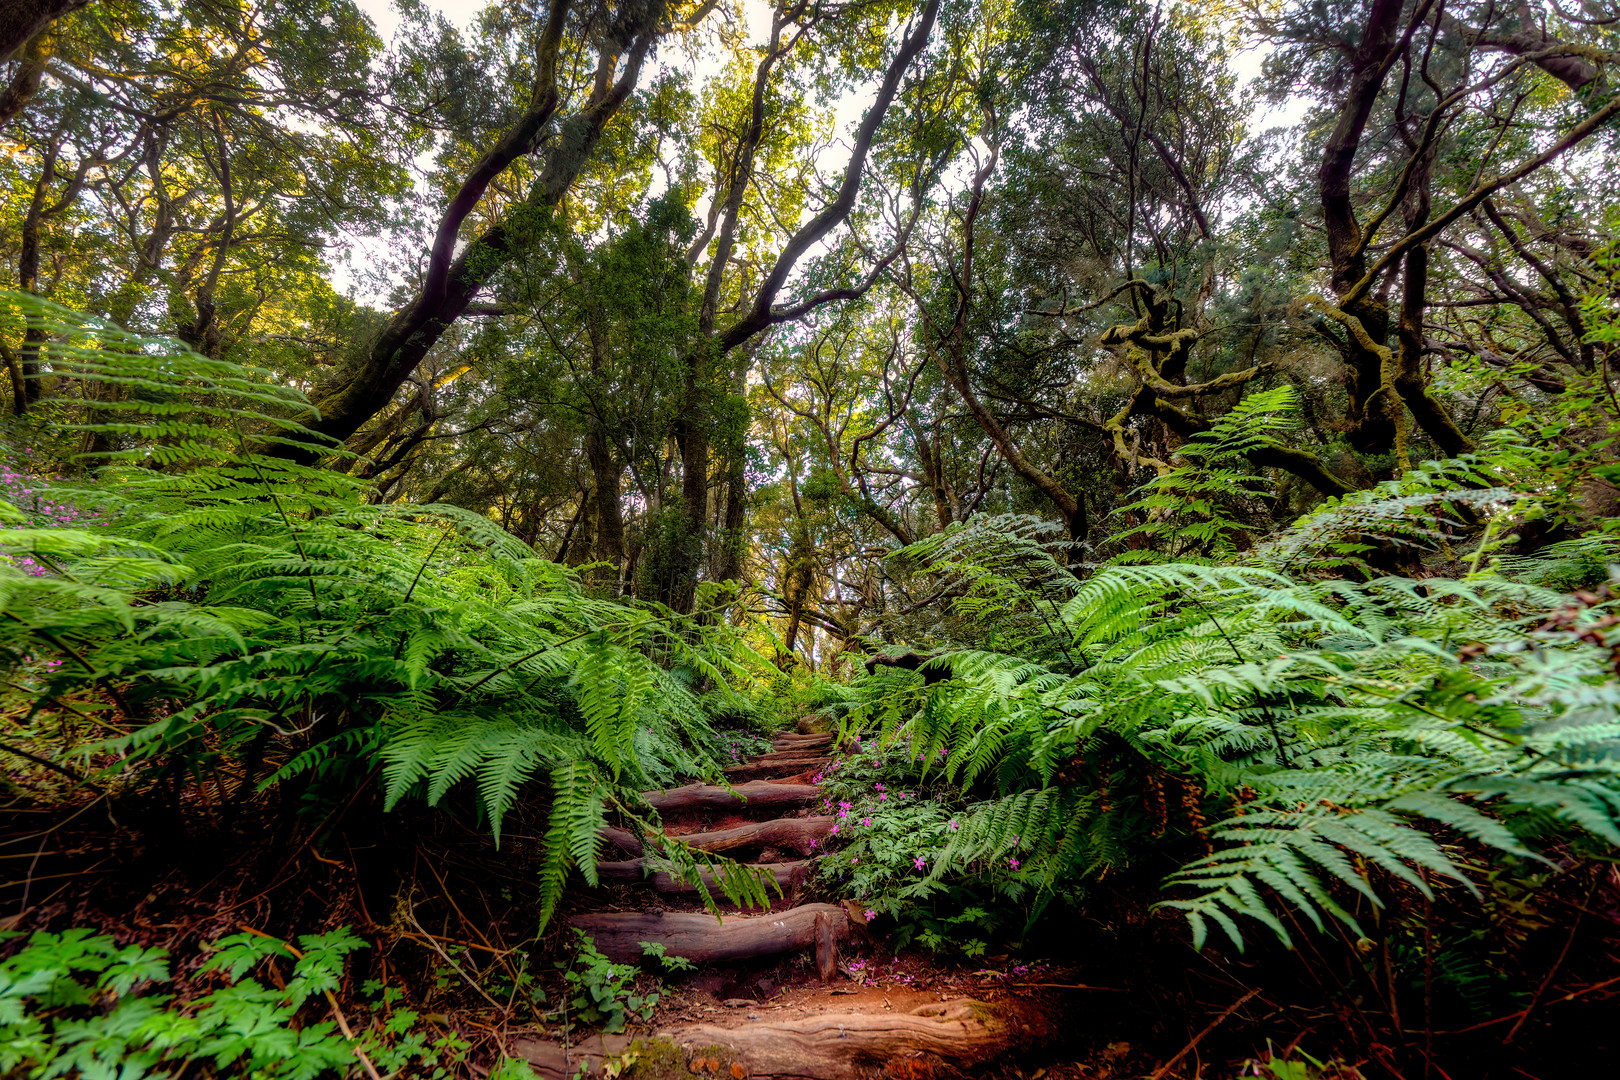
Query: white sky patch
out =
(1246, 64)
(385, 17)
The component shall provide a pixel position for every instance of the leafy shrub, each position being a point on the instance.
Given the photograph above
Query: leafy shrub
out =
(78, 1003)
(890, 830)
(602, 992)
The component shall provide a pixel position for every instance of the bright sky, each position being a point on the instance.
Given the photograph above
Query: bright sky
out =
(385, 18)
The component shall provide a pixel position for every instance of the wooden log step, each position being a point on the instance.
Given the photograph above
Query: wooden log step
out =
(803, 750)
(702, 938)
(940, 1039)
(786, 755)
(765, 770)
(948, 1038)
(753, 794)
(794, 834)
(622, 838)
(785, 742)
(634, 871)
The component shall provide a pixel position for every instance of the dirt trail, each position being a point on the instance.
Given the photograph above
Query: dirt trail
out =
(770, 998)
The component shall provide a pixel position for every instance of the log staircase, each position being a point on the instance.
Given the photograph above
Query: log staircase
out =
(826, 1032)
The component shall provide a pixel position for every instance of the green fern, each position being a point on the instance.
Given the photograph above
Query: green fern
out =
(1363, 749)
(228, 612)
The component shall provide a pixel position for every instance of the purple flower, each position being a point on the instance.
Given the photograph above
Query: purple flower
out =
(883, 796)
(878, 786)
(853, 859)
(866, 820)
(835, 829)
(1013, 863)
(953, 825)
(919, 862)
(842, 813)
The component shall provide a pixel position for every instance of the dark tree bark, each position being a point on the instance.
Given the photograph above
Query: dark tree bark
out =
(35, 55)
(22, 20)
(1373, 413)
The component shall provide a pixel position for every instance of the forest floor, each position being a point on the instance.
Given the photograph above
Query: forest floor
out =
(1118, 995)
(808, 992)
(804, 990)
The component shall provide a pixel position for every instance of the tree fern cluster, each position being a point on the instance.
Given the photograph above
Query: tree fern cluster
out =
(230, 613)
(1312, 735)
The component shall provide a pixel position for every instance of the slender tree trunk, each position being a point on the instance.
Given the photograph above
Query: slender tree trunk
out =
(1430, 414)
(693, 430)
(933, 458)
(686, 556)
(28, 276)
(607, 474)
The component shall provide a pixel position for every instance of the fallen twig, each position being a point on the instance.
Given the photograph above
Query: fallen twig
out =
(1164, 1070)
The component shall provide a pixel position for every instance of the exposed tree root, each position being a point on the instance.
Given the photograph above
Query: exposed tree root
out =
(796, 834)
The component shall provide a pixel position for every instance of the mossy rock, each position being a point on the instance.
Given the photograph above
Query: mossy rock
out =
(661, 1059)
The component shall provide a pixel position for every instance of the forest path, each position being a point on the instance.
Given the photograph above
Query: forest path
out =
(769, 997)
